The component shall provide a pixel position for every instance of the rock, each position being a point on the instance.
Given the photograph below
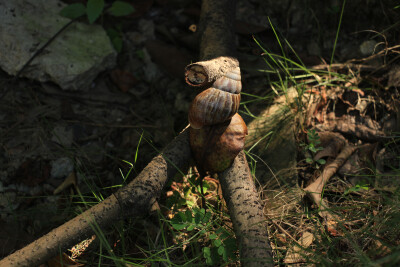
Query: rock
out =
(61, 167)
(72, 60)
(368, 47)
(62, 135)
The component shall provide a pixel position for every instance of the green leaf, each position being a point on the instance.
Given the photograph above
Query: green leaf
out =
(217, 242)
(221, 251)
(213, 236)
(179, 221)
(197, 217)
(191, 227)
(211, 256)
(120, 9)
(116, 40)
(309, 160)
(73, 11)
(94, 9)
(321, 161)
(177, 225)
(188, 214)
(356, 188)
(190, 203)
(207, 217)
(206, 252)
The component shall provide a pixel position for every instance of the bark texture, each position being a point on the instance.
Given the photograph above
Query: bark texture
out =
(246, 213)
(133, 200)
(245, 209)
(217, 29)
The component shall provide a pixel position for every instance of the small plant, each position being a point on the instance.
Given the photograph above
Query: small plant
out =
(93, 10)
(222, 244)
(356, 188)
(312, 148)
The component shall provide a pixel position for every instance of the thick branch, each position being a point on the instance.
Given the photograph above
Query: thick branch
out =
(246, 213)
(216, 29)
(133, 200)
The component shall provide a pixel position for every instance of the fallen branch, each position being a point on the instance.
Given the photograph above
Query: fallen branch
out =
(314, 190)
(133, 200)
(364, 128)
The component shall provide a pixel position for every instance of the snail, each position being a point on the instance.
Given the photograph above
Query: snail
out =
(218, 103)
(215, 147)
(217, 131)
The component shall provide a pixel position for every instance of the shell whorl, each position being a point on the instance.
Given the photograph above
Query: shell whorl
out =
(231, 82)
(218, 103)
(213, 106)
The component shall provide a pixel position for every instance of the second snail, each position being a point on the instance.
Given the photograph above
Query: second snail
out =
(217, 132)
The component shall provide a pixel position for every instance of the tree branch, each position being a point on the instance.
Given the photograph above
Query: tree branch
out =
(133, 200)
(246, 213)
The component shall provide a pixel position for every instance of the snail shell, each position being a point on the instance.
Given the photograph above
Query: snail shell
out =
(217, 103)
(217, 153)
(231, 82)
(212, 106)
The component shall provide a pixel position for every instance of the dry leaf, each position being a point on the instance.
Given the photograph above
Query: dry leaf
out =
(70, 180)
(123, 79)
(295, 253)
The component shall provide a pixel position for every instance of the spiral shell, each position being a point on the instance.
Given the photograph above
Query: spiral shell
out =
(216, 153)
(217, 103)
(212, 106)
(231, 82)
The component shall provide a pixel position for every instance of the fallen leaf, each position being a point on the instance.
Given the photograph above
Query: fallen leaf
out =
(296, 253)
(70, 180)
(123, 79)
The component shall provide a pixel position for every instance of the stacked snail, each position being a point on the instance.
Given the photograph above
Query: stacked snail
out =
(217, 131)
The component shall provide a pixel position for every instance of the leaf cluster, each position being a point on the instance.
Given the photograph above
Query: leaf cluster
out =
(222, 244)
(94, 8)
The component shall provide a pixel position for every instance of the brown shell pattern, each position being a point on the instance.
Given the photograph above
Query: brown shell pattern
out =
(212, 106)
(231, 82)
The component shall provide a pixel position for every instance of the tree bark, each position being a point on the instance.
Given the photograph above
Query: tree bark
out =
(246, 213)
(250, 227)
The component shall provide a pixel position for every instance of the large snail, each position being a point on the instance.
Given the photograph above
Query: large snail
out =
(217, 131)
(218, 103)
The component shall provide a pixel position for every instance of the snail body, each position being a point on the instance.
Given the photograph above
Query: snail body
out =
(218, 103)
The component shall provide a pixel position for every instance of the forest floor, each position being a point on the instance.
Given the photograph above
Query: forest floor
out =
(62, 151)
